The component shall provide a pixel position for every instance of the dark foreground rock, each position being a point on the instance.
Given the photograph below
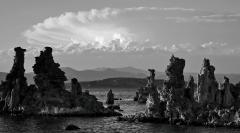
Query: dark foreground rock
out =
(72, 127)
(48, 95)
(14, 87)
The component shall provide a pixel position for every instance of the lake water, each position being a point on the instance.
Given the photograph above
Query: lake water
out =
(100, 124)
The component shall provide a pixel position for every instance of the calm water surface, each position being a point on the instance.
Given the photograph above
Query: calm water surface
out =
(100, 124)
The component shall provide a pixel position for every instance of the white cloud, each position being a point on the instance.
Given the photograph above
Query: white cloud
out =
(76, 27)
(142, 8)
(212, 18)
(212, 44)
(100, 30)
(88, 30)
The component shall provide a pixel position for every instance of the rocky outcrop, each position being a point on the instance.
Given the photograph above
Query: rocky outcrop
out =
(189, 90)
(178, 98)
(31, 102)
(55, 99)
(175, 81)
(153, 106)
(227, 98)
(76, 87)
(207, 84)
(224, 96)
(174, 73)
(143, 93)
(110, 97)
(136, 96)
(49, 79)
(48, 96)
(14, 87)
(211, 107)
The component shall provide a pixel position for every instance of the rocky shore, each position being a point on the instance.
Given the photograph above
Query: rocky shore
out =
(205, 103)
(48, 95)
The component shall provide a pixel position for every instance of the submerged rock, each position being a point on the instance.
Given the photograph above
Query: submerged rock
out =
(72, 127)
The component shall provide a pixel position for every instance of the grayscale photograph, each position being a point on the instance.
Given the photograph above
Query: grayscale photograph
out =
(119, 66)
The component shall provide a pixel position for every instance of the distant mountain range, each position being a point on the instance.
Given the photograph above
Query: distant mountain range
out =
(123, 72)
(116, 83)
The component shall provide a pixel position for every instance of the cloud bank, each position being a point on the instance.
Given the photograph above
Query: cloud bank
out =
(102, 30)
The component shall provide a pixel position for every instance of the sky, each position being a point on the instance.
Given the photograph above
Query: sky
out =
(88, 34)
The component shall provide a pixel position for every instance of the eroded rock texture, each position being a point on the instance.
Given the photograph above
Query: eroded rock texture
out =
(224, 96)
(76, 87)
(174, 73)
(175, 81)
(14, 87)
(153, 105)
(212, 106)
(49, 79)
(143, 93)
(110, 97)
(207, 84)
(178, 98)
(189, 90)
(48, 96)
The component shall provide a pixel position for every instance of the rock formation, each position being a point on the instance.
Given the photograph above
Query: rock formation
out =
(71, 127)
(176, 96)
(153, 101)
(224, 96)
(76, 87)
(227, 98)
(110, 97)
(207, 84)
(210, 107)
(13, 89)
(174, 73)
(189, 90)
(48, 96)
(55, 99)
(31, 102)
(143, 93)
(49, 79)
(175, 81)
(136, 96)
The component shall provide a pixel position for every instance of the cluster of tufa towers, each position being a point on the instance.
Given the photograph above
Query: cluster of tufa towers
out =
(48, 95)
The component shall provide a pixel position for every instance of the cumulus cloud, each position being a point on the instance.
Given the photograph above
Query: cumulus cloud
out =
(91, 26)
(102, 30)
(75, 32)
